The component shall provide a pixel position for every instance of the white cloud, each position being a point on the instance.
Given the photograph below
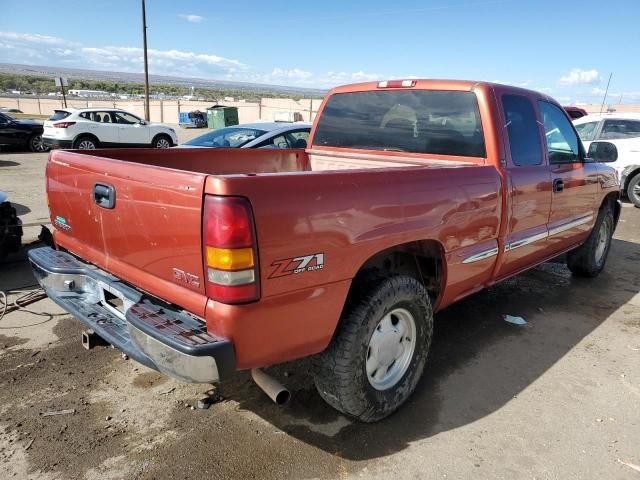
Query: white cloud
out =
(191, 18)
(578, 76)
(48, 50)
(24, 48)
(597, 91)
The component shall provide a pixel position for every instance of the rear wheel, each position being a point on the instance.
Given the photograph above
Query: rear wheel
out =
(589, 259)
(36, 144)
(161, 141)
(633, 190)
(86, 143)
(377, 356)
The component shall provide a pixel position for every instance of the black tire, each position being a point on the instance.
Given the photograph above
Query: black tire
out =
(340, 371)
(589, 259)
(86, 142)
(36, 144)
(161, 141)
(633, 190)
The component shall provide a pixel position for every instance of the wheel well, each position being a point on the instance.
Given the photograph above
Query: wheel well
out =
(83, 135)
(422, 260)
(162, 134)
(612, 200)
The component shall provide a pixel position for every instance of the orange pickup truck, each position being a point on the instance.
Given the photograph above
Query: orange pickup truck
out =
(411, 195)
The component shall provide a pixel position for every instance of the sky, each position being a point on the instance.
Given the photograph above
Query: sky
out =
(565, 48)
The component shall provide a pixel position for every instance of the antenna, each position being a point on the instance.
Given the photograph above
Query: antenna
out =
(605, 92)
(147, 115)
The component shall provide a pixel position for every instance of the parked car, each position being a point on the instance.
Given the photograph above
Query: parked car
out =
(255, 135)
(412, 195)
(21, 134)
(90, 128)
(575, 112)
(622, 130)
(10, 110)
(10, 227)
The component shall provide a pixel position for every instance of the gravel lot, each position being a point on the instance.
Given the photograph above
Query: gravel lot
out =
(557, 398)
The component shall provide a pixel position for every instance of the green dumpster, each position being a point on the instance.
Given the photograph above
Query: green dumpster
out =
(219, 116)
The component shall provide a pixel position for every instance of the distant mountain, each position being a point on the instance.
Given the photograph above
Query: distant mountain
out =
(125, 77)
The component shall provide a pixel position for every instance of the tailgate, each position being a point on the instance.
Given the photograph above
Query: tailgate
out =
(151, 235)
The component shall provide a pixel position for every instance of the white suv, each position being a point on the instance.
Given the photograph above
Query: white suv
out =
(90, 128)
(623, 130)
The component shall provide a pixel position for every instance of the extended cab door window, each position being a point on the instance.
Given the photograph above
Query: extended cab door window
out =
(562, 142)
(522, 130)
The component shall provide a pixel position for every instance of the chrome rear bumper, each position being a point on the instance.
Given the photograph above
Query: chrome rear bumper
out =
(155, 334)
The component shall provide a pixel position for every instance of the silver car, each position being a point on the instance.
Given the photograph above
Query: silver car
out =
(255, 135)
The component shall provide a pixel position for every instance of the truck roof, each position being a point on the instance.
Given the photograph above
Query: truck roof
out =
(426, 84)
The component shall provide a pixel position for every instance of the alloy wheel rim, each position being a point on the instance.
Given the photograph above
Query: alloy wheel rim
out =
(162, 143)
(391, 348)
(38, 144)
(86, 145)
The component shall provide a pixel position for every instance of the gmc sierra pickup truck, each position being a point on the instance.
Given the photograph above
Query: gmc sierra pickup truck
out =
(412, 195)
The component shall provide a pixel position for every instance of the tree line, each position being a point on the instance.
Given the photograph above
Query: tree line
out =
(39, 85)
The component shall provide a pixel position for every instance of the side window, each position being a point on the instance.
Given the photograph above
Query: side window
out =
(620, 129)
(85, 115)
(522, 129)
(562, 142)
(586, 131)
(125, 118)
(298, 139)
(276, 142)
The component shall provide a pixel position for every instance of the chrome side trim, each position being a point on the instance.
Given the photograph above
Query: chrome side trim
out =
(525, 241)
(568, 226)
(476, 257)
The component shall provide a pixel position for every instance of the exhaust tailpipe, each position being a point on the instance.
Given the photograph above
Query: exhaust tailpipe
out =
(272, 387)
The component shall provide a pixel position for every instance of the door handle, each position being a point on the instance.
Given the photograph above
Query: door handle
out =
(558, 185)
(104, 195)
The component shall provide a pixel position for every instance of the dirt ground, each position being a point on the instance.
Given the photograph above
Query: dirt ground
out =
(557, 398)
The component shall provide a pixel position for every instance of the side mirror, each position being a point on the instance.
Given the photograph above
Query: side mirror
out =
(603, 152)
(142, 122)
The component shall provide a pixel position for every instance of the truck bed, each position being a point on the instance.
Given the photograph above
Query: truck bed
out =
(234, 161)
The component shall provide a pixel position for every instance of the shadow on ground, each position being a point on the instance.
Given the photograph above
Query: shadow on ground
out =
(478, 362)
(8, 163)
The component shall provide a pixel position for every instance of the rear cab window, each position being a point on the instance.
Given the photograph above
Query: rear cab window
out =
(416, 121)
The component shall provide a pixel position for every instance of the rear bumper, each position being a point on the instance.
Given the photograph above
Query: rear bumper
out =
(155, 334)
(57, 143)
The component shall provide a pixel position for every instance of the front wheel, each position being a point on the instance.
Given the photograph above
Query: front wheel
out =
(161, 141)
(633, 190)
(589, 259)
(377, 356)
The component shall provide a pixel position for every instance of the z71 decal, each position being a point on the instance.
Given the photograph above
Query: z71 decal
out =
(292, 266)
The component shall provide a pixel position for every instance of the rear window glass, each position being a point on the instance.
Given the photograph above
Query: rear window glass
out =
(59, 115)
(417, 121)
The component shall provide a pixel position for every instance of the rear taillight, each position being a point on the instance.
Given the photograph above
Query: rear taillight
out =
(63, 124)
(230, 253)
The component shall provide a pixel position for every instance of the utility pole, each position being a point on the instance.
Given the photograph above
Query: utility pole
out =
(147, 115)
(605, 92)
